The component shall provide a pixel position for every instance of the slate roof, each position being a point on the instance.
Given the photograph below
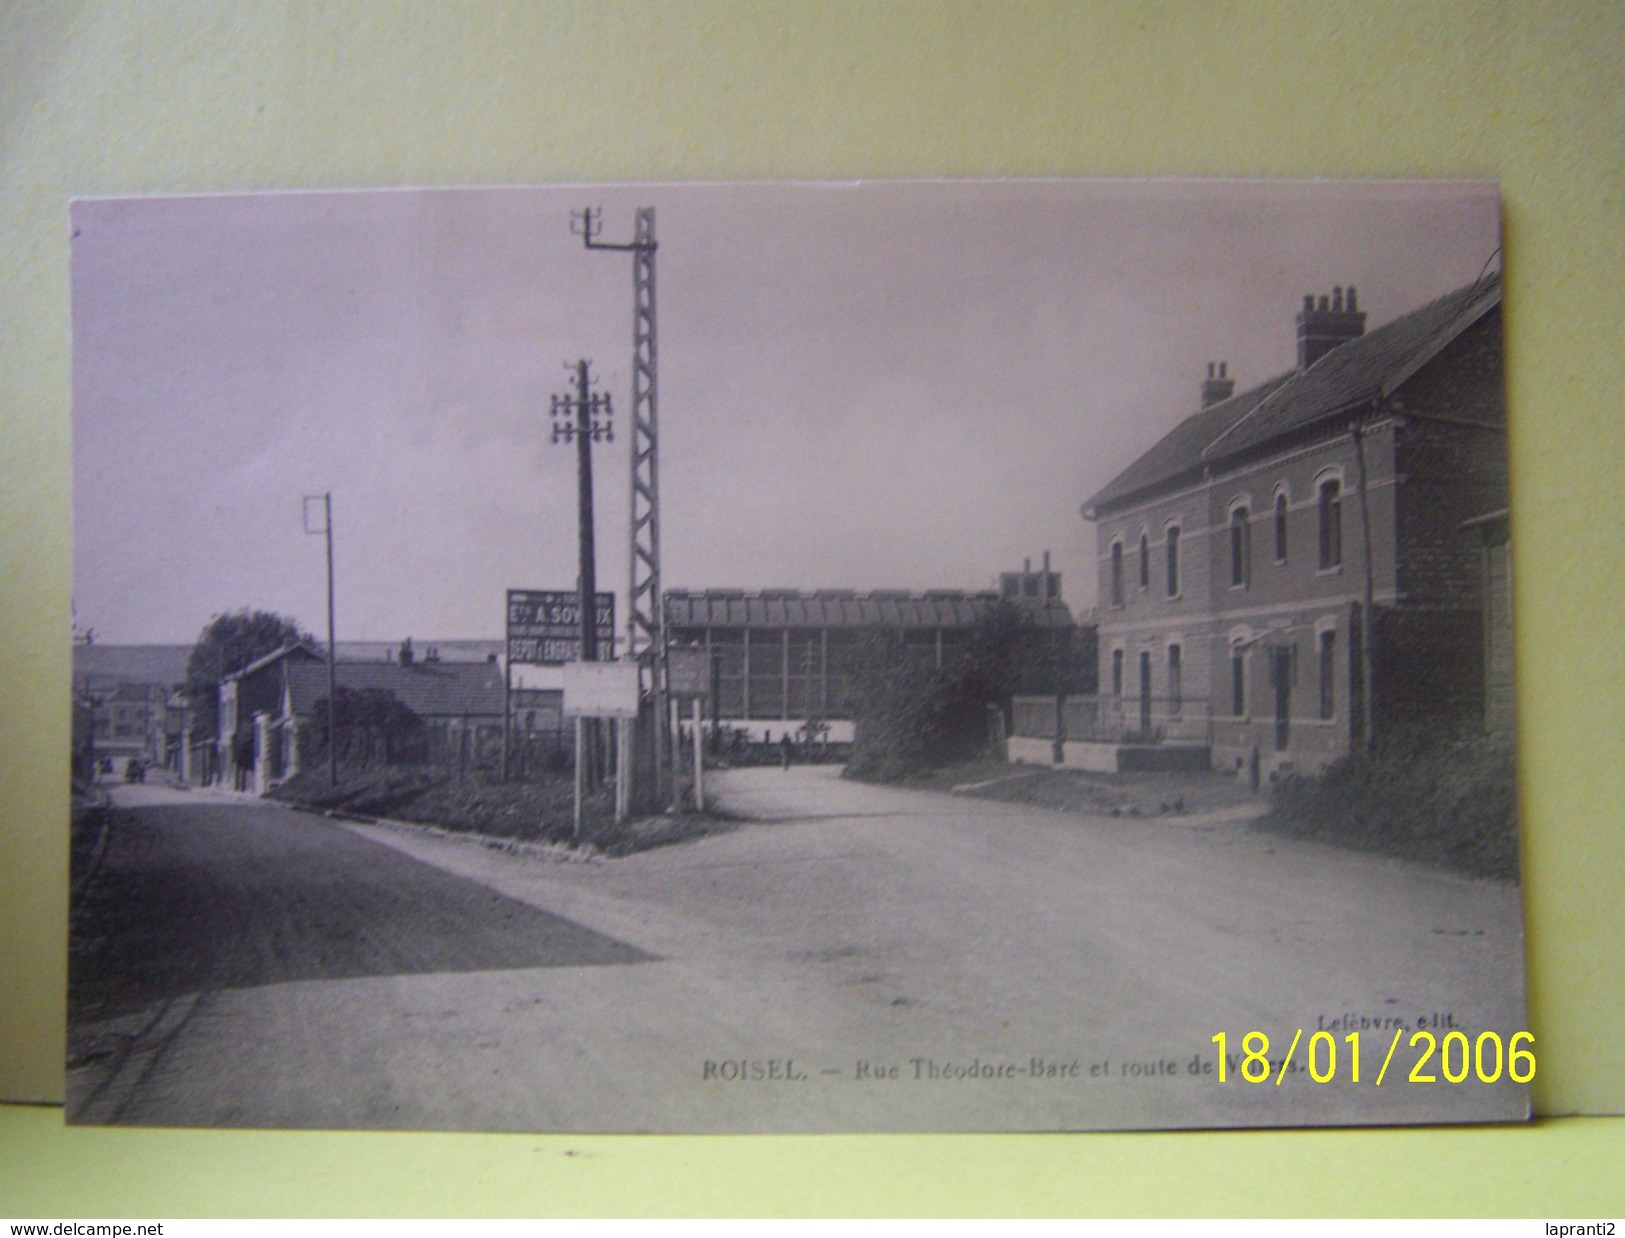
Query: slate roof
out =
(842, 608)
(430, 690)
(389, 650)
(1355, 373)
(161, 664)
(1180, 455)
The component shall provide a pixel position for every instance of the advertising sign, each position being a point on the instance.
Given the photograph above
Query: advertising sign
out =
(544, 626)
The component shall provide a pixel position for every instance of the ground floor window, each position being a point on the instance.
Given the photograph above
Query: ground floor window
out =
(1117, 672)
(1175, 685)
(1238, 685)
(1328, 670)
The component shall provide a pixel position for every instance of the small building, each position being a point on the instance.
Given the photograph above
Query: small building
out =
(266, 706)
(1493, 535)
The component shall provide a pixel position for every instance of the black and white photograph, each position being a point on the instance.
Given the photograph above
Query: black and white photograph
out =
(921, 656)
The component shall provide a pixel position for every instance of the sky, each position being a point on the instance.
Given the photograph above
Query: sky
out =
(861, 385)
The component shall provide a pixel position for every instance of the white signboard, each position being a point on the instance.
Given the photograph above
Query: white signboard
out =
(688, 672)
(600, 689)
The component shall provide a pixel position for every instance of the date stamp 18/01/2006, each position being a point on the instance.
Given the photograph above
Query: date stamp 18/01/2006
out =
(1460, 1057)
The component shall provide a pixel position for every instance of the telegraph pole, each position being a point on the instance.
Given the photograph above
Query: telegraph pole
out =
(645, 620)
(584, 419)
(332, 648)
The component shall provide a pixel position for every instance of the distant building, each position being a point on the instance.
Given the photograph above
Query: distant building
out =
(783, 658)
(131, 699)
(1253, 557)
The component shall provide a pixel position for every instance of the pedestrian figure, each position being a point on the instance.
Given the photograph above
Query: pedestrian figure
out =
(786, 748)
(242, 758)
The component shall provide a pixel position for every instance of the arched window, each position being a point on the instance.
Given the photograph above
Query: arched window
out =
(1330, 507)
(1280, 527)
(1173, 561)
(1145, 560)
(1241, 548)
(1117, 573)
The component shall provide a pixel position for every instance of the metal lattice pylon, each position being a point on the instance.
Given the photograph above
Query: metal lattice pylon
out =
(645, 622)
(644, 619)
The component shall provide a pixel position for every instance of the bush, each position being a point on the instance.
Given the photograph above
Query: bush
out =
(1448, 799)
(911, 717)
(901, 714)
(374, 727)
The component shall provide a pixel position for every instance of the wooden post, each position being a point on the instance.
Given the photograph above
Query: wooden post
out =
(623, 769)
(580, 774)
(699, 757)
(507, 708)
(676, 755)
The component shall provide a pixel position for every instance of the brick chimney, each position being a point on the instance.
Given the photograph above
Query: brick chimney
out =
(1325, 324)
(1217, 386)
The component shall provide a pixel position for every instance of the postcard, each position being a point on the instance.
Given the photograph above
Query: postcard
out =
(917, 656)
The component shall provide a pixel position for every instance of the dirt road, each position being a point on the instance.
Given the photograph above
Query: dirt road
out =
(855, 958)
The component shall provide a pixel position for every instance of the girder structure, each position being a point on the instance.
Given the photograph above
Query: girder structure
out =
(645, 622)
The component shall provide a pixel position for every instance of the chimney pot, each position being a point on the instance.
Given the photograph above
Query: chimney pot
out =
(1217, 387)
(1326, 323)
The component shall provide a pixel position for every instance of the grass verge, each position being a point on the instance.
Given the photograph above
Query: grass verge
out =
(1093, 794)
(525, 812)
(1445, 800)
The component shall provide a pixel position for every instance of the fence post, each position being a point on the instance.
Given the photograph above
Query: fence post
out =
(262, 753)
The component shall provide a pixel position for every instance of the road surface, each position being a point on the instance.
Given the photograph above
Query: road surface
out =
(851, 958)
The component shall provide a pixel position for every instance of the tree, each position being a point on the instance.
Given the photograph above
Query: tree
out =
(369, 720)
(228, 643)
(910, 717)
(900, 711)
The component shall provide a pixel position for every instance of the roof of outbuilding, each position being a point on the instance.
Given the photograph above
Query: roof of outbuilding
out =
(307, 652)
(430, 690)
(1364, 369)
(843, 608)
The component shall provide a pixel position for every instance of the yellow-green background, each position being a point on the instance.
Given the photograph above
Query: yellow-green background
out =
(111, 97)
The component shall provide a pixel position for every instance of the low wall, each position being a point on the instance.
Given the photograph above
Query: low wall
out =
(1111, 758)
(1163, 758)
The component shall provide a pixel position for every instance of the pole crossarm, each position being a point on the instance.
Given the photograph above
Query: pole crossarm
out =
(584, 412)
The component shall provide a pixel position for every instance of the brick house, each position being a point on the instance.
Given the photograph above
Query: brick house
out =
(1293, 563)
